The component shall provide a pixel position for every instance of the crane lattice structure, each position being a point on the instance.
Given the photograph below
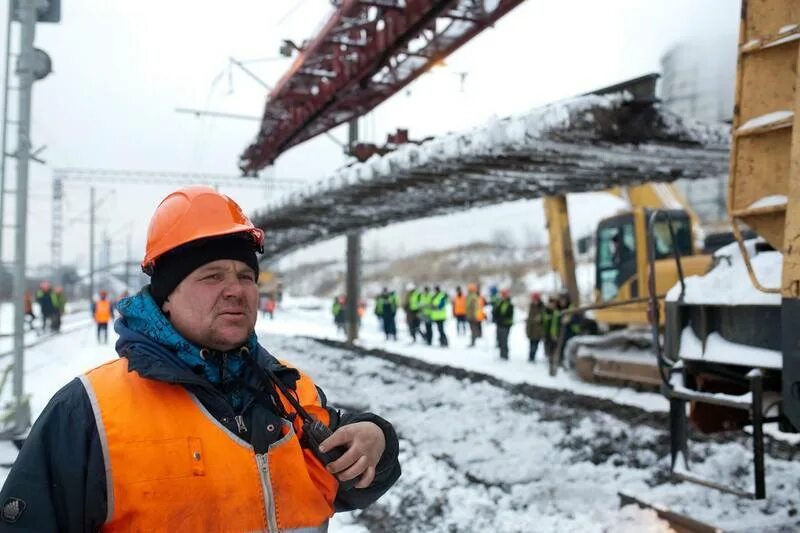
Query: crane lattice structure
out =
(92, 176)
(366, 52)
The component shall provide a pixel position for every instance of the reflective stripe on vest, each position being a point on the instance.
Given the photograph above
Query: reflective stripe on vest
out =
(170, 466)
(102, 311)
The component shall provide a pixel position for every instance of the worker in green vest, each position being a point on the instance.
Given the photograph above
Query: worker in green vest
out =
(438, 313)
(380, 303)
(504, 318)
(412, 309)
(425, 307)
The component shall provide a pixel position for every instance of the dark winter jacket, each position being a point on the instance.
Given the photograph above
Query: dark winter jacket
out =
(60, 471)
(503, 313)
(535, 326)
(45, 301)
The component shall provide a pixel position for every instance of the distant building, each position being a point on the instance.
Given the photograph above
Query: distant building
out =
(698, 80)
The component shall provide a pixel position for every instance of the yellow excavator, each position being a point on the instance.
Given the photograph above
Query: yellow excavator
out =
(620, 306)
(732, 338)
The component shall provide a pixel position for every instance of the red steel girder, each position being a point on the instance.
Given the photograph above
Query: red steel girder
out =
(365, 53)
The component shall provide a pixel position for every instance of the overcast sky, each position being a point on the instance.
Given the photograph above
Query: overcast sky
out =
(121, 68)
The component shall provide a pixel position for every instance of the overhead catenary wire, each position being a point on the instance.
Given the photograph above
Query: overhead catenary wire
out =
(286, 16)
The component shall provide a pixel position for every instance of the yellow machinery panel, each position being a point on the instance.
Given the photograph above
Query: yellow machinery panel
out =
(761, 184)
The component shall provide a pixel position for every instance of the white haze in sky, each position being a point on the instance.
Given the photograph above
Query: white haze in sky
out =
(121, 68)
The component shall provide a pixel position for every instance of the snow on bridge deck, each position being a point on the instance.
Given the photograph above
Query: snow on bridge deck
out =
(586, 143)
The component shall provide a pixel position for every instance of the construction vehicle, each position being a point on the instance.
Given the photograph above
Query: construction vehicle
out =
(621, 307)
(732, 344)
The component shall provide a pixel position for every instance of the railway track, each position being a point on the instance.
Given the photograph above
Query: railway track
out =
(619, 451)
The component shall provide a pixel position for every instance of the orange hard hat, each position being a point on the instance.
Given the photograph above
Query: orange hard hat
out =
(194, 213)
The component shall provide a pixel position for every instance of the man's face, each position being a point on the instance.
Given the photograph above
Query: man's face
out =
(215, 306)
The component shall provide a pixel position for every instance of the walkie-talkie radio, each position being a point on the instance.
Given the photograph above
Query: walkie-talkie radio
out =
(314, 431)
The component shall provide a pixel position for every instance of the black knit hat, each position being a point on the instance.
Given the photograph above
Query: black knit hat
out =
(172, 267)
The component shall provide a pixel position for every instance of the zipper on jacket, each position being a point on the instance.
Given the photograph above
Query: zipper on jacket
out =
(266, 486)
(240, 423)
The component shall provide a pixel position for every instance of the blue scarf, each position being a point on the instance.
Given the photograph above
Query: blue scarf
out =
(141, 314)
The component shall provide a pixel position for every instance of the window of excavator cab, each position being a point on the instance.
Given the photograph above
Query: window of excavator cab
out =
(616, 258)
(663, 240)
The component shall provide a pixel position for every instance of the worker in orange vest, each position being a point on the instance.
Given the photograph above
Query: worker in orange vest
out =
(460, 311)
(195, 426)
(475, 312)
(103, 313)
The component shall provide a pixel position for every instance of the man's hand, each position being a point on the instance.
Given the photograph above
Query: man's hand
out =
(365, 443)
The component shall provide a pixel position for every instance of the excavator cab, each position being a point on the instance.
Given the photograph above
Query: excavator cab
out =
(615, 263)
(622, 273)
(621, 268)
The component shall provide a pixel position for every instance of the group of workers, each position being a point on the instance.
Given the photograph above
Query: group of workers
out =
(52, 304)
(339, 311)
(268, 303)
(426, 311)
(545, 323)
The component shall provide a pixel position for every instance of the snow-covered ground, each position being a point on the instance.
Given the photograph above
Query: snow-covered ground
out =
(311, 316)
(477, 456)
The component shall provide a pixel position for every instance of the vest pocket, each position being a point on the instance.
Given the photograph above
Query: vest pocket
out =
(151, 460)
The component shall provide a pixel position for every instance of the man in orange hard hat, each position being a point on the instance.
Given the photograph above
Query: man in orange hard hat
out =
(195, 427)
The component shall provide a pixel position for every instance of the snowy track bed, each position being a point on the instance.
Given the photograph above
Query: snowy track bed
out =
(479, 455)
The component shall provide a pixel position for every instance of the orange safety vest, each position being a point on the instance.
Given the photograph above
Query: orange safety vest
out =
(480, 314)
(102, 311)
(459, 305)
(177, 469)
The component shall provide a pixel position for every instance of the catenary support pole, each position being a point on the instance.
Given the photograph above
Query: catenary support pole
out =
(4, 126)
(128, 263)
(27, 17)
(353, 262)
(91, 243)
(353, 284)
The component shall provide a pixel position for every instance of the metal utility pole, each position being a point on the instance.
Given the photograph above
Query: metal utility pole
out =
(91, 243)
(353, 261)
(26, 14)
(5, 123)
(353, 284)
(128, 262)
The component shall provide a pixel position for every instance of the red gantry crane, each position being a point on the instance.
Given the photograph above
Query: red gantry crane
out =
(366, 52)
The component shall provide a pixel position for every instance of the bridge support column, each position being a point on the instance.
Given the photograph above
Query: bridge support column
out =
(353, 284)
